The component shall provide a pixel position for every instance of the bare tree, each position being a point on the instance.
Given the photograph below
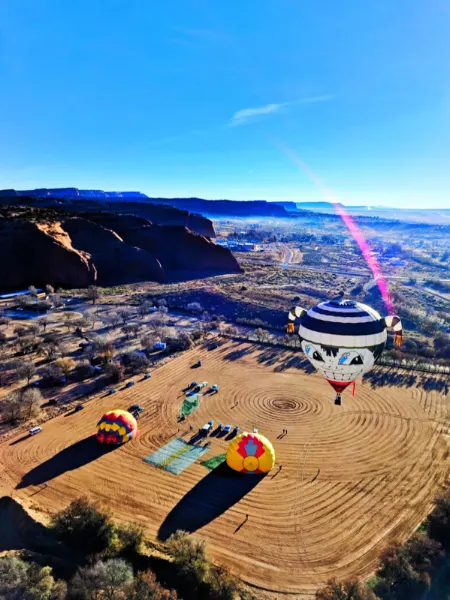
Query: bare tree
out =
(56, 300)
(93, 293)
(24, 301)
(163, 310)
(148, 341)
(33, 330)
(12, 408)
(115, 319)
(32, 291)
(69, 318)
(43, 322)
(31, 400)
(144, 308)
(49, 289)
(25, 370)
(20, 331)
(125, 315)
(162, 302)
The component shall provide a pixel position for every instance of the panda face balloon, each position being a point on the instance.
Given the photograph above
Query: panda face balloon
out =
(342, 339)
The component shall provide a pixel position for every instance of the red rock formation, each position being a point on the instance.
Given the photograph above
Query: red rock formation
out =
(38, 253)
(174, 246)
(116, 262)
(104, 248)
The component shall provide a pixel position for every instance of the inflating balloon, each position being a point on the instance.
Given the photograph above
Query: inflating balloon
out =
(116, 427)
(342, 339)
(250, 453)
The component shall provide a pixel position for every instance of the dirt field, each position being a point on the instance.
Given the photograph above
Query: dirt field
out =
(382, 456)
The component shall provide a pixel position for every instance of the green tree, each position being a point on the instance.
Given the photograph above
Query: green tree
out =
(25, 581)
(189, 555)
(84, 527)
(223, 585)
(131, 540)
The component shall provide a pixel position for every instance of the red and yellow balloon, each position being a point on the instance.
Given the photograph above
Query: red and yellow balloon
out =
(250, 453)
(116, 427)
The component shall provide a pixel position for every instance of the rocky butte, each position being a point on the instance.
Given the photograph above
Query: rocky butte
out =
(52, 245)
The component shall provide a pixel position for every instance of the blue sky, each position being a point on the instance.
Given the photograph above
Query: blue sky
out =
(184, 97)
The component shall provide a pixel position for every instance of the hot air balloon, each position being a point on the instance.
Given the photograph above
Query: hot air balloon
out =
(116, 427)
(250, 453)
(342, 339)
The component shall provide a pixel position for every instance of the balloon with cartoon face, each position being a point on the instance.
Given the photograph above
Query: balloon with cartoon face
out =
(342, 339)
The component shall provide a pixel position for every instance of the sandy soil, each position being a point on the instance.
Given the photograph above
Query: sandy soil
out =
(382, 456)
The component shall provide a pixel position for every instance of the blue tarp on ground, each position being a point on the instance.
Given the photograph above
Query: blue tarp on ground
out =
(176, 456)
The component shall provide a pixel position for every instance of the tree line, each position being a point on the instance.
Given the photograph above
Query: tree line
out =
(101, 560)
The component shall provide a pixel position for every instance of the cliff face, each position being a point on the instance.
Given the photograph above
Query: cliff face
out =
(37, 254)
(116, 261)
(101, 248)
(174, 246)
(77, 201)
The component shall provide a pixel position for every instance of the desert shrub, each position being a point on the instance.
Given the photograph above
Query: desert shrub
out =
(82, 371)
(28, 581)
(222, 584)
(346, 590)
(135, 362)
(190, 558)
(194, 307)
(84, 528)
(116, 371)
(179, 343)
(52, 373)
(131, 540)
(109, 580)
(146, 587)
(66, 365)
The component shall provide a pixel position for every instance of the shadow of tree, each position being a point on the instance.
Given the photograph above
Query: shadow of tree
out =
(392, 377)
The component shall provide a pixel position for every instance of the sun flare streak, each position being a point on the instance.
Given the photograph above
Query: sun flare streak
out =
(357, 234)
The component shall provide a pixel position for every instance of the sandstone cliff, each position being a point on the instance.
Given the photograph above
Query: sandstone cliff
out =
(174, 246)
(116, 261)
(38, 253)
(40, 246)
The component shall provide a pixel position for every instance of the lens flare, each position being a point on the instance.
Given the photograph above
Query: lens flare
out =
(357, 234)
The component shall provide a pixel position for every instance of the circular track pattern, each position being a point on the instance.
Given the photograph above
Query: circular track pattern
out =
(353, 477)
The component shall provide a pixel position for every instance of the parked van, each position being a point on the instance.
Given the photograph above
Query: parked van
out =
(35, 430)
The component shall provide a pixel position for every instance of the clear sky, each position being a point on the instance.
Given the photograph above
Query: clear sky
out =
(185, 97)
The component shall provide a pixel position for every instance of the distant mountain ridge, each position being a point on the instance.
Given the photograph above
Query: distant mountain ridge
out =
(71, 192)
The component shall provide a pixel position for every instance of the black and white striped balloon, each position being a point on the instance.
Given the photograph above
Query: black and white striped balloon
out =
(343, 338)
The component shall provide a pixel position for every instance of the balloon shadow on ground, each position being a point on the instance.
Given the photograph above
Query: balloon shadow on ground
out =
(71, 458)
(208, 499)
